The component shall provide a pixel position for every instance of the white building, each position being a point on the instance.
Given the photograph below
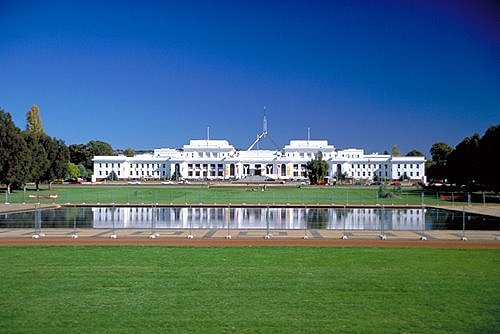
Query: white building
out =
(219, 160)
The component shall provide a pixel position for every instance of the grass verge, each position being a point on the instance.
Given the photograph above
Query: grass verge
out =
(233, 195)
(119, 289)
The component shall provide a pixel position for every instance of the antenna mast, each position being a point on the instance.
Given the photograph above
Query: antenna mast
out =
(263, 134)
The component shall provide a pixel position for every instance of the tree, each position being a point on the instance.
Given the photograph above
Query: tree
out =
(34, 139)
(34, 124)
(437, 167)
(317, 169)
(39, 158)
(84, 172)
(57, 157)
(440, 152)
(129, 152)
(78, 153)
(14, 154)
(414, 153)
(96, 147)
(463, 162)
(73, 171)
(84, 153)
(112, 176)
(395, 152)
(489, 146)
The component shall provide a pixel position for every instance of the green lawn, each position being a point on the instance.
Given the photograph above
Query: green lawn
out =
(152, 289)
(233, 195)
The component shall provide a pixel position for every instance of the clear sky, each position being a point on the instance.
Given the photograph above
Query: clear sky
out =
(149, 74)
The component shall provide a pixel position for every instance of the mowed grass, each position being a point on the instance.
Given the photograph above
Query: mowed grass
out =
(152, 289)
(229, 195)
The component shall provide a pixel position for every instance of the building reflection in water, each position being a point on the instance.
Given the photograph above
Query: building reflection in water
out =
(257, 218)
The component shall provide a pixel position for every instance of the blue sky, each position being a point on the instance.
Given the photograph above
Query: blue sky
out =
(148, 74)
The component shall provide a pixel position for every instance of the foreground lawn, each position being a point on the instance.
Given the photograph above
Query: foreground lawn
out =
(117, 289)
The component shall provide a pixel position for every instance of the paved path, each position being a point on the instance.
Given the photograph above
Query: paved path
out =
(22, 207)
(488, 210)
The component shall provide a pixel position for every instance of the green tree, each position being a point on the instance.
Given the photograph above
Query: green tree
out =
(84, 153)
(14, 154)
(84, 172)
(436, 168)
(78, 153)
(463, 162)
(129, 152)
(96, 147)
(73, 171)
(34, 121)
(57, 157)
(39, 158)
(35, 141)
(440, 152)
(414, 153)
(489, 146)
(317, 169)
(112, 176)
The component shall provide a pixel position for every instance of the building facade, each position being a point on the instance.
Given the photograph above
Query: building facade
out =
(219, 160)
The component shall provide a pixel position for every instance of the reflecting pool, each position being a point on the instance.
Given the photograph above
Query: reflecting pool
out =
(406, 219)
